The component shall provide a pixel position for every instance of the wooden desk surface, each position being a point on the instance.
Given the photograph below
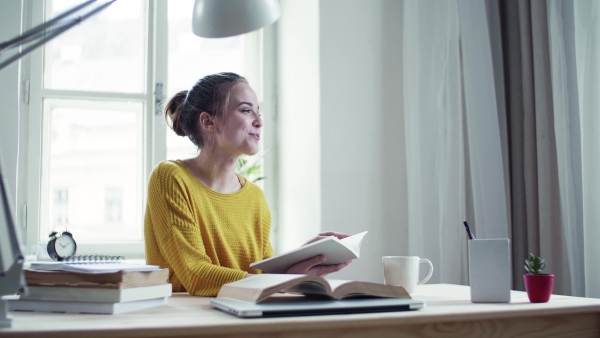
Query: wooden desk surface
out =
(449, 313)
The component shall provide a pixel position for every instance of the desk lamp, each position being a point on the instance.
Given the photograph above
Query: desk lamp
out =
(211, 19)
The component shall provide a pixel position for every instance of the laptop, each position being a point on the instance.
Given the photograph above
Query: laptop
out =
(301, 306)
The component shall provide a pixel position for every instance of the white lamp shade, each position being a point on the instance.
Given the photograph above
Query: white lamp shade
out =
(223, 18)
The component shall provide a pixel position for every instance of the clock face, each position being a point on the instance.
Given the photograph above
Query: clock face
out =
(65, 246)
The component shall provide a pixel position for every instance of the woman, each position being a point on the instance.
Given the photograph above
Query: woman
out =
(205, 222)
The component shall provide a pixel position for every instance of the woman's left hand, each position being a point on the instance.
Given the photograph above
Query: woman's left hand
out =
(312, 266)
(325, 234)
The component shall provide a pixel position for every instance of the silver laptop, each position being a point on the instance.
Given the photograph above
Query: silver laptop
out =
(301, 306)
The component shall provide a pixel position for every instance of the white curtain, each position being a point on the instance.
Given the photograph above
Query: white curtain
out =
(587, 47)
(521, 164)
(454, 147)
(567, 132)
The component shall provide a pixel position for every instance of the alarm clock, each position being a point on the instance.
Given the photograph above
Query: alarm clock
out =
(61, 246)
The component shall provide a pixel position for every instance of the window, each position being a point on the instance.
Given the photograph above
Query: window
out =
(60, 215)
(96, 127)
(113, 206)
(94, 145)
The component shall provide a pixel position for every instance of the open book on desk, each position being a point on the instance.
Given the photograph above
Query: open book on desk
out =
(260, 287)
(335, 250)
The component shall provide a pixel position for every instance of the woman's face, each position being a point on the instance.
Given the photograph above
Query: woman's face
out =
(242, 124)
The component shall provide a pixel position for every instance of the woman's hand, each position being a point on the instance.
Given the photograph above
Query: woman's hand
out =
(325, 234)
(311, 267)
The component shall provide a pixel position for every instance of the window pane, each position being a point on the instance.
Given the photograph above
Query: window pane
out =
(95, 169)
(191, 58)
(113, 211)
(60, 210)
(104, 53)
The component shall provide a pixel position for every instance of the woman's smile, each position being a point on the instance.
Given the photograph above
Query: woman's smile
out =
(256, 136)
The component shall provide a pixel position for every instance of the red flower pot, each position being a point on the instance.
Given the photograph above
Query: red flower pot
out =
(539, 287)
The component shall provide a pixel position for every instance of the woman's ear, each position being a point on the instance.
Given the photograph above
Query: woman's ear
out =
(206, 121)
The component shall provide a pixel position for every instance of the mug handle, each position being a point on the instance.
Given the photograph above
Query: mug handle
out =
(425, 260)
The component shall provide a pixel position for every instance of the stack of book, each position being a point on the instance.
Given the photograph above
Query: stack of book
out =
(104, 288)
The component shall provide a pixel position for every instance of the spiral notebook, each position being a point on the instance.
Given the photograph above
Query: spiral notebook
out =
(94, 259)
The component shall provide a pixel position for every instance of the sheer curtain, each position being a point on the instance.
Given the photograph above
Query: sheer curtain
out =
(587, 47)
(500, 109)
(453, 133)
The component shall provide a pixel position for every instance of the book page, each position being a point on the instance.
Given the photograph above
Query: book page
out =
(259, 287)
(353, 242)
(347, 288)
(336, 251)
(337, 283)
(310, 289)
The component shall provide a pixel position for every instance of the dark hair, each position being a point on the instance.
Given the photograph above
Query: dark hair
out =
(209, 94)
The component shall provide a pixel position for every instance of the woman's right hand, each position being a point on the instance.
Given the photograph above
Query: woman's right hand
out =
(326, 234)
(312, 266)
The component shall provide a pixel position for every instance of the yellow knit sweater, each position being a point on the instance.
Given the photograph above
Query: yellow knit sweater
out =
(205, 238)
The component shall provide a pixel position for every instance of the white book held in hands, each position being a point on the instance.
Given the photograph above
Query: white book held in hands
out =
(335, 251)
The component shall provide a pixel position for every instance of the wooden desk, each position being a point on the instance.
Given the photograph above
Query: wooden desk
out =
(449, 313)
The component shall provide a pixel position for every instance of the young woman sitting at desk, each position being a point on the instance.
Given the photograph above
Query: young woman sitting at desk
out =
(203, 221)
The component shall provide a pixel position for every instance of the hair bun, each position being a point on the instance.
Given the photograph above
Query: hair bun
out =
(173, 112)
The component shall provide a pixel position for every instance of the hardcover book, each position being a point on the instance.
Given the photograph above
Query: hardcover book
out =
(113, 280)
(335, 250)
(101, 295)
(259, 287)
(84, 307)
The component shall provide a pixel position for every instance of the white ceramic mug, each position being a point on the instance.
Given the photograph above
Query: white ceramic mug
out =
(404, 271)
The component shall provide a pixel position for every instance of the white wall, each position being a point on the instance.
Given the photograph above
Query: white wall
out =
(298, 124)
(361, 148)
(10, 26)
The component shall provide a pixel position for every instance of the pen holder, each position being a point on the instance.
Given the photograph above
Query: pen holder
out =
(489, 270)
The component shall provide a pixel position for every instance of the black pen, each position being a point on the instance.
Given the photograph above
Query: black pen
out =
(469, 233)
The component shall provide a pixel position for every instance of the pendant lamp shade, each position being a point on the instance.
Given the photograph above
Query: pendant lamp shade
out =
(223, 18)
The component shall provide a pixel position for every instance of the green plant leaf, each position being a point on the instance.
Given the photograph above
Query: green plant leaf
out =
(251, 170)
(534, 265)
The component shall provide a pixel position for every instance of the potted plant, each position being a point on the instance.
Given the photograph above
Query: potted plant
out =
(537, 284)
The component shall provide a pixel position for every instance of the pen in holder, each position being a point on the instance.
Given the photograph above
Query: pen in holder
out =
(489, 270)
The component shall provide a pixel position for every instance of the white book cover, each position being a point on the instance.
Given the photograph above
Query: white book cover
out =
(84, 307)
(94, 267)
(335, 250)
(101, 295)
